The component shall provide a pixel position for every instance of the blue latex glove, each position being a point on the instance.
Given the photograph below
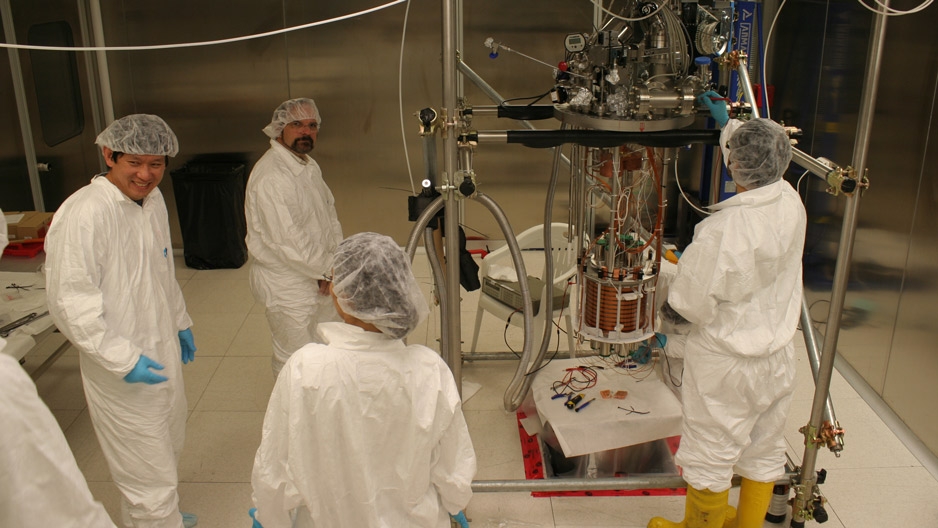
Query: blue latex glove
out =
(256, 524)
(189, 520)
(642, 354)
(187, 343)
(141, 372)
(460, 518)
(717, 108)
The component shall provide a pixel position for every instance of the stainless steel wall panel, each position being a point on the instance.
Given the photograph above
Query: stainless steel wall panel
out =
(887, 332)
(218, 98)
(910, 387)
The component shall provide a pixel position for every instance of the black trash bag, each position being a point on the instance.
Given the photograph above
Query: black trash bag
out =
(210, 204)
(468, 269)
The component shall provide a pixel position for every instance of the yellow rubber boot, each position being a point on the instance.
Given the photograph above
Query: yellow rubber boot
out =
(729, 519)
(754, 499)
(703, 509)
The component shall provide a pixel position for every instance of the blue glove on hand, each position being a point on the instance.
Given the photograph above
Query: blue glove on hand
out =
(460, 518)
(717, 108)
(141, 372)
(187, 343)
(642, 354)
(256, 524)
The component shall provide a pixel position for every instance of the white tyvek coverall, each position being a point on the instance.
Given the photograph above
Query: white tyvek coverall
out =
(292, 233)
(41, 484)
(740, 284)
(363, 431)
(112, 291)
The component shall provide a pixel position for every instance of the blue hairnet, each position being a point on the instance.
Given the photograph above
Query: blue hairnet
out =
(373, 281)
(141, 134)
(289, 111)
(759, 153)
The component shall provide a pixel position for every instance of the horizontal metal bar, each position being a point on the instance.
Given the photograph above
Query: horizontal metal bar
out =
(599, 138)
(586, 484)
(814, 166)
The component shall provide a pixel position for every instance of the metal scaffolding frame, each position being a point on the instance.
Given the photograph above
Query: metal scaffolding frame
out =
(849, 182)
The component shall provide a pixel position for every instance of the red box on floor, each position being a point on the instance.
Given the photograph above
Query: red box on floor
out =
(534, 469)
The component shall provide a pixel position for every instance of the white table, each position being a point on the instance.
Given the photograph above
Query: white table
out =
(21, 294)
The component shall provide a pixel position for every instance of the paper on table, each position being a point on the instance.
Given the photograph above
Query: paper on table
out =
(29, 297)
(602, 425)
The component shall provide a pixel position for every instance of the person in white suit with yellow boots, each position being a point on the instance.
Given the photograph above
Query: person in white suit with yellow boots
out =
(739, 284)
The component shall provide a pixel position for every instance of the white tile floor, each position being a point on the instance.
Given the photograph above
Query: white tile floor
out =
(877, 482)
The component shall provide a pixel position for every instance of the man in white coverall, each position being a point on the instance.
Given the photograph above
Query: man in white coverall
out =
(739, 284)
(292, 230)
(365, 430)
(112, 291)
(41, 484)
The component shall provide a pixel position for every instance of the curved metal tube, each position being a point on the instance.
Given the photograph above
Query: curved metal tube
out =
(438, 281)
(422, 221)
(547, 304)
(514, 394)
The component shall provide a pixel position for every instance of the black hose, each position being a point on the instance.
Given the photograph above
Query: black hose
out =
(606, 138)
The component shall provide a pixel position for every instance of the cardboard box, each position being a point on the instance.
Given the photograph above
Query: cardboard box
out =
(12, 219)
(26, 225)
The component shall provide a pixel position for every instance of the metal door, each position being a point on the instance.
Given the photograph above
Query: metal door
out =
(55, 93)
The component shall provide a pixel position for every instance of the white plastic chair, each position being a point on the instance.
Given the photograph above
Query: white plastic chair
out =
(564, 267)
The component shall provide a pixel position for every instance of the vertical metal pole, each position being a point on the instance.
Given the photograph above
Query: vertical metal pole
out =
(842, 269)
(22, 110)
(460, 46)
(91, 73)
(104, 75)
(451, 212)
(460, 81)
(746, 84)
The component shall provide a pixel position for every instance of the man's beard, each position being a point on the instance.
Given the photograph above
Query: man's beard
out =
(303, 145)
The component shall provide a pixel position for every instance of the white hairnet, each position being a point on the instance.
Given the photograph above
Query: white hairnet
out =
(142, 134)
(759, 153)
(372, 281)
(289, 111)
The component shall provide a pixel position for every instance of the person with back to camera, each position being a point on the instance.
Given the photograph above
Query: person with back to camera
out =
(41, 484)
(292, 230)
(739, 285)
(112, 291)
(364, 430)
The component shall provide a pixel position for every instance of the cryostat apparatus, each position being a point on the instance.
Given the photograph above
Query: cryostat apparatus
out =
(638, 75)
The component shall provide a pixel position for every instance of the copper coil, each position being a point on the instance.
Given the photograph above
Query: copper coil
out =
(612, 312)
